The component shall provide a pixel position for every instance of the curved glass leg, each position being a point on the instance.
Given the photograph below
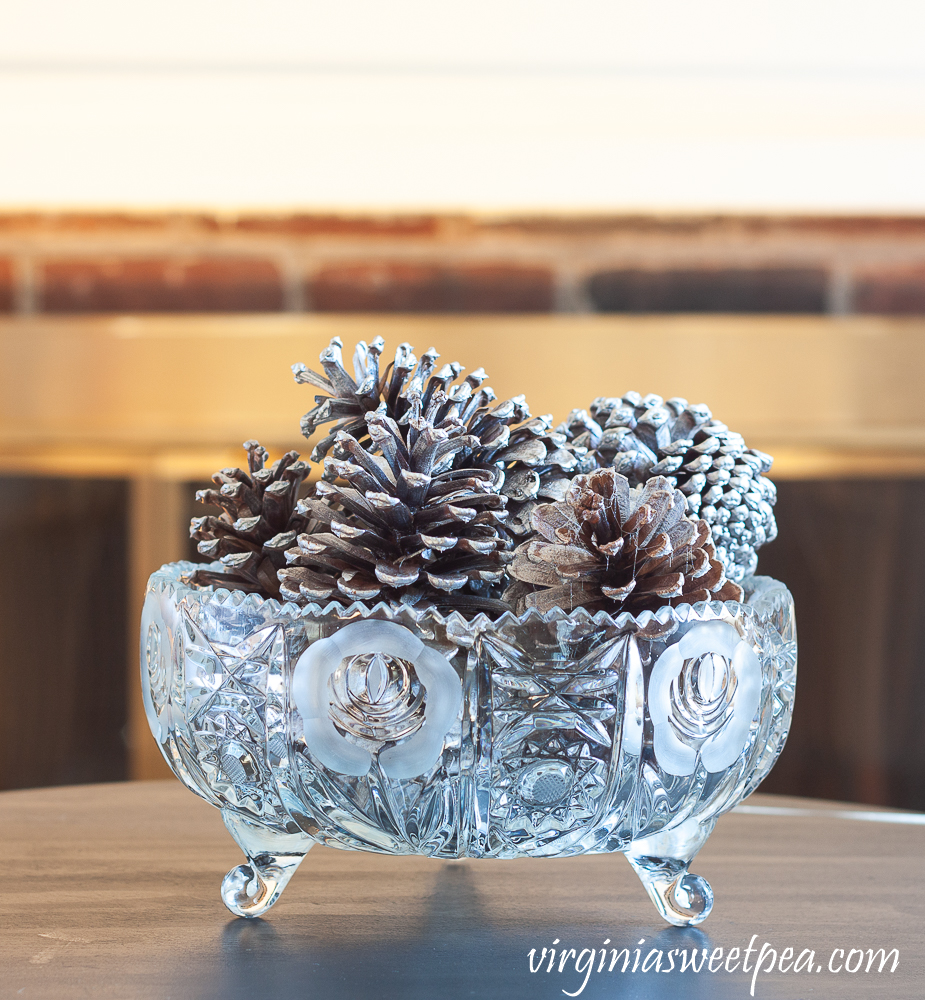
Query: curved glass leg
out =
(662, 863)
(250, 890)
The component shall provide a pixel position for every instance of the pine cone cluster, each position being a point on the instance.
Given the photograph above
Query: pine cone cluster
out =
(610, 546)
(646, 436)
(434, 494)
(257, 524)
(536, 460)
(402, 525)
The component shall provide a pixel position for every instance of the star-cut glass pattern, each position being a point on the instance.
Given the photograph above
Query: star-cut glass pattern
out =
(777, 649)
(556, 724)
(226, 697)
(558, 782)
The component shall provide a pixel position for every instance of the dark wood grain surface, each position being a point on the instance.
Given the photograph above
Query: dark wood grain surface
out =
(111, 891)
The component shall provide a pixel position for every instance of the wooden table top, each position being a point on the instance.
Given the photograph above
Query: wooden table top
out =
(111, 891)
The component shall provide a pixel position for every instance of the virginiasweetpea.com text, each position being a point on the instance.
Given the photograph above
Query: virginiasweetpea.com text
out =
(576, 966)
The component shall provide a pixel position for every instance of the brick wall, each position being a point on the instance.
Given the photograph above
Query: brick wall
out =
(78, 263)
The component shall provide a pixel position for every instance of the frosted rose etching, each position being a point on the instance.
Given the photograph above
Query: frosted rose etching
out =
(375, 688)
(703, 694)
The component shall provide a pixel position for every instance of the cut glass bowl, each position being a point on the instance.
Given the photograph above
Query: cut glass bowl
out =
(410, 732)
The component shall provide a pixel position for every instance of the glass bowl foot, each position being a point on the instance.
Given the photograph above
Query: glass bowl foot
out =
(682, 898)
(249, 890)
(662, 861)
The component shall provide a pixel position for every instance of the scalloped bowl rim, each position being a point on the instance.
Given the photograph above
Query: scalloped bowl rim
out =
(174, 574)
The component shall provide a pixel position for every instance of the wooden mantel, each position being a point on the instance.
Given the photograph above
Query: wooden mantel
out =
(168, 399)
(173, 396)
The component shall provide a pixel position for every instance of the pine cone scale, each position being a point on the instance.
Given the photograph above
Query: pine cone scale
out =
(357, 586)
(567, 597)
(397, 575)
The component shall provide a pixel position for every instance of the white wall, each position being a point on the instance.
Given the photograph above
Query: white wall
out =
(487, 104)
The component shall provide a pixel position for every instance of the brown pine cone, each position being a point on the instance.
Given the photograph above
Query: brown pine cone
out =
(611, 547)
(536, 460)
(724, 482)
(259, 522)
(402, 526)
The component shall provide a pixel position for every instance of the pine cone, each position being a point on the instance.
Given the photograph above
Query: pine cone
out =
(258, 524)
(537, 461)
(647, 436)
(405, 525)
(611, 547)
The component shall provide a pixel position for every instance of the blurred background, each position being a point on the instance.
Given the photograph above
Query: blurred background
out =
(718, 200)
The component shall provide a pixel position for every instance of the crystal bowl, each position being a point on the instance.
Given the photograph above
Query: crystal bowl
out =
(411, 732)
